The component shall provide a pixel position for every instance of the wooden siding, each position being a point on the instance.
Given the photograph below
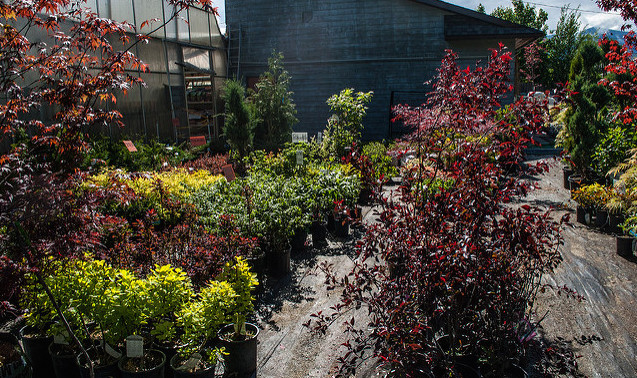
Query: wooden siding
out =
(380, 45)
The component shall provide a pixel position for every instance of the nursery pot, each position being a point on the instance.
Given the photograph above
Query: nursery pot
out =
(169, 351)
(107, 369)
(128, 365)
(580, 213)
(601, 220)
(319, 234)
(278, 262)
(241, 360)
(64, 361)
(365, 196)
(341, 226)
(625, 245)
(298, 240)
(567, 173)
(614, 220)
(330, 222)
(175, 362)
(15, 365)
(575, 181)
(36, 348)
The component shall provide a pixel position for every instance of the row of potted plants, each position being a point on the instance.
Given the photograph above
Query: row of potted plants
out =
(610, 209)
(131, 326)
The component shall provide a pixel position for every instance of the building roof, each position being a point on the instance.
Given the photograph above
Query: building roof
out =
(470, 24)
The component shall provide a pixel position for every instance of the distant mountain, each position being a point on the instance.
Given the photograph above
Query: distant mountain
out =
(617, 35)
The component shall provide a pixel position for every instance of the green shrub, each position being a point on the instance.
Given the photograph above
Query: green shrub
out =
(345, 126)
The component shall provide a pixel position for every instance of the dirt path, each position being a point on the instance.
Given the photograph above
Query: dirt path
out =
(602, 329)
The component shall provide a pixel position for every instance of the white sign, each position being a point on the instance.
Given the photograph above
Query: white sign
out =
(299, 137)
(299, 157)
(319, 137)
(134, 346)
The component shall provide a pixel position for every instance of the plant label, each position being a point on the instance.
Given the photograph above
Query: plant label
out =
(299, 157)
(134, 346)
(111, 352)
(192, 362)
(299, 137)
(228, 172)
(130, 146)
(196, 141)
(319, 137)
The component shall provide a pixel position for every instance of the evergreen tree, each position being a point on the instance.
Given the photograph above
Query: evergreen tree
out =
(238, 128)
(274, 105)
(587, 118)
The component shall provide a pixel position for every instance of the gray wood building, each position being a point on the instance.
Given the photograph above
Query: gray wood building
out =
(391, 47)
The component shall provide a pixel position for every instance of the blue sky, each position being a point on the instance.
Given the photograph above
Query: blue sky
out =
(592, 16)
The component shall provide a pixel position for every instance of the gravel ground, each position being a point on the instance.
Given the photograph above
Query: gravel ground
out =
(601, 329)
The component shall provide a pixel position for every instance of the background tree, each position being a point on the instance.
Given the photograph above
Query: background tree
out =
(274, 105)
(481, 9)
(240, 118)
(523, 14)
(562, 45)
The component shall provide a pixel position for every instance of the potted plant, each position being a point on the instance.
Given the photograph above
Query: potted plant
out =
(626, 242)
(589, 198)
(275, 212)
(341, 220)
(239, 339)
(36, 335)
(199, 319)
(617, 205)
(129, 305)
(13, 363)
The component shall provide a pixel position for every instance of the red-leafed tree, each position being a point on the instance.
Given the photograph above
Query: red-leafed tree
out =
(622, 65)
(449, 270)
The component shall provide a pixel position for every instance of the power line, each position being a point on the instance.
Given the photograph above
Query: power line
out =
(579, 10)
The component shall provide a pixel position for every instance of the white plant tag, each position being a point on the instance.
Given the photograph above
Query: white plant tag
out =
(111, 352)
(192, 362)
(61, 338)
(319, 137)
(134, 346)
(299, 157)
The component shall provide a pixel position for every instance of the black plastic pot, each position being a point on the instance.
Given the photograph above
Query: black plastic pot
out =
(154, 372)
(601, 219)
(580, 213)
(278, 262)
(341, 226)
(567, 173)
(175, 372)
(625, 245)
(614, 220)
(36, 350)
(575, 182)
(64, 363)
(101, 371)
(365, 196)
(241, 360)
(319, 234)
(330, 222)
(515, 371)
(17, 368)
(170, 352)
(298, 240)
